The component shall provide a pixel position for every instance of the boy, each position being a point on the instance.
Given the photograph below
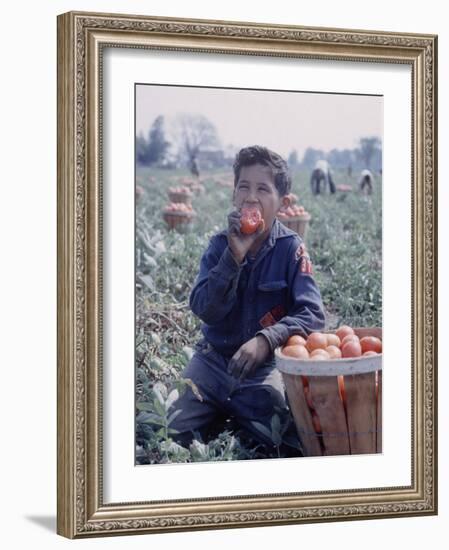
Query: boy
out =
(252, 293)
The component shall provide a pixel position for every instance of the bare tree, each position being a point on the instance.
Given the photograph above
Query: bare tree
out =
(195, 134)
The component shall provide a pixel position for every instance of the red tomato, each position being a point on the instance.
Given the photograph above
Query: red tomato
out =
(351, 349)
(316, 423)
(320, 355)
(341, 388)
(308, 397)
(296, 339)
(296, 351)
(349, 338)
(371, 343)
(316, 340)
(343, 331)
(334, 352)
(250, 220)
(333, 340)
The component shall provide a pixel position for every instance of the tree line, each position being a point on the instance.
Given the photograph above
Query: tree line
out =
(193, 140)
(368, 155)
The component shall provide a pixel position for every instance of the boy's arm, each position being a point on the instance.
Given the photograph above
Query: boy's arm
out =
(215, 290)
(306, 313)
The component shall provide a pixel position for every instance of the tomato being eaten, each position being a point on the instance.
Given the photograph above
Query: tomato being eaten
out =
(250, 221)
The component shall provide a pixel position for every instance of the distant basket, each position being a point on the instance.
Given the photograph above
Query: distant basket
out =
(175, 196)
(293, 198)
(198, 188)
(178, 220)
(336, 405)
(299, 224)
(344, 188)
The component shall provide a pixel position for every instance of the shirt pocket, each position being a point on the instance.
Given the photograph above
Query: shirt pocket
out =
(271, 300)
(272, 286)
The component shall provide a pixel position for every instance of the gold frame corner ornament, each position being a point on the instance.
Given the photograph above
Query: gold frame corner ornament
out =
(81, 37)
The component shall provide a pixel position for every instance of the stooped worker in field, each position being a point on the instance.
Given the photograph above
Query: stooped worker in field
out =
(366, 181)
(253, 291)
(321, 176)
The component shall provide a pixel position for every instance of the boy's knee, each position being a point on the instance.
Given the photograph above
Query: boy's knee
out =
(259, 404)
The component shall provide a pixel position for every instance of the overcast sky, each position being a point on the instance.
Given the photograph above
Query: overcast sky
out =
(280, 120)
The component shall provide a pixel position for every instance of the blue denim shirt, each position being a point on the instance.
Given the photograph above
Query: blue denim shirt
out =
(273, 294)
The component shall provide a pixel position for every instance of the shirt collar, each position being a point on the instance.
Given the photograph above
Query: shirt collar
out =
(278, 231)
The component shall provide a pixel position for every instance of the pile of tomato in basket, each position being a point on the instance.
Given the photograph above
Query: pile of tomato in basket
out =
(322, 346)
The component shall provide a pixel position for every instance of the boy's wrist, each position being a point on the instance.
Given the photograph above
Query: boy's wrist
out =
(238, 258)
(275, 335)
(262, 337)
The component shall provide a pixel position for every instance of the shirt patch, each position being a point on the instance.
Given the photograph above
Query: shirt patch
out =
(267, 320)
(272, 316)
(278, 312)
(300, 252)
(305, 264)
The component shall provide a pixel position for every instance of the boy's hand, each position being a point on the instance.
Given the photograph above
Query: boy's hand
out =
(248, 357)
(238, 243)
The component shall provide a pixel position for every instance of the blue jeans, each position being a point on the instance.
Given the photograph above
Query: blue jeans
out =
(255, 399)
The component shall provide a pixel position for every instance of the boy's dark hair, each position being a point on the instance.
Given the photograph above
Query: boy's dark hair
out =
(256, 154)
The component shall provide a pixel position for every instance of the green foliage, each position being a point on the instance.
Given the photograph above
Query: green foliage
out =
(277, 433)
(156, 411)
(345, 245)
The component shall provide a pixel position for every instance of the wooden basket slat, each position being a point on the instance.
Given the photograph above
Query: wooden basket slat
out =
(329, 408)
(379, 413)
(300, 409)
(299, 224)
(361, 411)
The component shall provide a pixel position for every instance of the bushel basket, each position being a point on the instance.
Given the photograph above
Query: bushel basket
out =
(336, 404)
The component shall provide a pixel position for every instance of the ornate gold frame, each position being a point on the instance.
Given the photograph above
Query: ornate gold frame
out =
(81, 37)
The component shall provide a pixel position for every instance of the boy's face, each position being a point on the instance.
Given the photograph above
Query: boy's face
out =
(256, 189)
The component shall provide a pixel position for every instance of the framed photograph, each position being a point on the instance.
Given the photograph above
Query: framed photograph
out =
(246, 274)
